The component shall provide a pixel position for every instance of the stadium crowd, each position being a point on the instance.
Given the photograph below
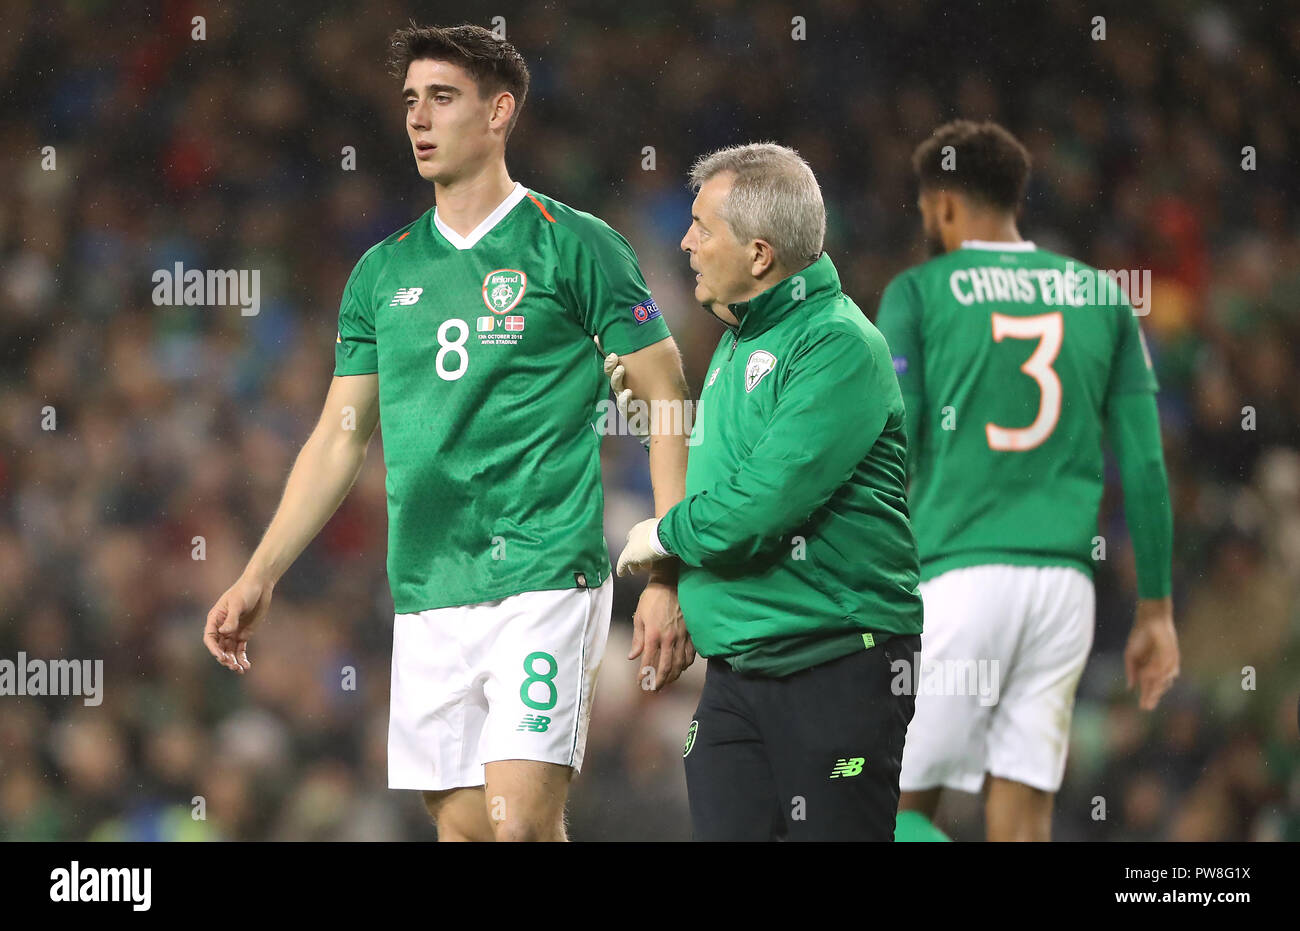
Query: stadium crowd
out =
(1169, 145)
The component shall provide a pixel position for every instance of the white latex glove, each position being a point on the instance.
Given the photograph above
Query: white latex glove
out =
(643, 548)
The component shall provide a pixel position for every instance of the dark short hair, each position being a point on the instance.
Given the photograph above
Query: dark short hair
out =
(988, 164)
(495, 64)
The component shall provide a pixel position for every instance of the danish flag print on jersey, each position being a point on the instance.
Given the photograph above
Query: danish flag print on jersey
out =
(513, 323)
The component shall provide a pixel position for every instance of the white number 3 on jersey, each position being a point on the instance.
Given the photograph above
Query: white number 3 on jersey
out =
(1048, 329)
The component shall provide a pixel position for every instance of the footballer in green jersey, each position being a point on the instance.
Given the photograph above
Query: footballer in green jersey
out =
(488, 386)
(469, 335)
(1017, 366)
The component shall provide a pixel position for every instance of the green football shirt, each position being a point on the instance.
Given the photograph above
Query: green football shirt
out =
(488, 386)
(1008, 356)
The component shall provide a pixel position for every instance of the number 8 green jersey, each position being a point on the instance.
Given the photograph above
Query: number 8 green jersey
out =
(1008, 357)
(488, 386)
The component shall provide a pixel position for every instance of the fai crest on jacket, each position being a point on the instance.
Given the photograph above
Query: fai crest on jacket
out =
(760, 363)
(503, 289)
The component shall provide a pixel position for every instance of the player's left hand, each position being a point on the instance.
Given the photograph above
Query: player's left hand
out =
(642, 548)
(659, 633)
(1151, 656)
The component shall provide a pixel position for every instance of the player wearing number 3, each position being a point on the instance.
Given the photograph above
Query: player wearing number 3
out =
(1015, 364)
(469, 333)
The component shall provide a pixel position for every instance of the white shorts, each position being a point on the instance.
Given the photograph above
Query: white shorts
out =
(1001, 656)
(510, 679)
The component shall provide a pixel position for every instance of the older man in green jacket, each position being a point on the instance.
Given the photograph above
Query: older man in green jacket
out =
(798, 565)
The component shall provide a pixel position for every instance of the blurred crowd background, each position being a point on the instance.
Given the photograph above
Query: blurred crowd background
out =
(176, 423)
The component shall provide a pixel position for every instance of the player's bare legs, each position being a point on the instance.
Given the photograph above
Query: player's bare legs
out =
(915, 819)
(926, 801)
(460, 814)
(1014, 811)
(525, 799)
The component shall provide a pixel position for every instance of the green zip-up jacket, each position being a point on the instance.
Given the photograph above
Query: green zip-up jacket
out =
(794, 537)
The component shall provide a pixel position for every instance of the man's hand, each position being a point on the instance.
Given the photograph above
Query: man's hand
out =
(616, 374)
(1151, 657)
(231, 620)
(325, 469)
(659, 633)
(643, 548)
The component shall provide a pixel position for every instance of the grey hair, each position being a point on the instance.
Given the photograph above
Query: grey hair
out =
(774, 197)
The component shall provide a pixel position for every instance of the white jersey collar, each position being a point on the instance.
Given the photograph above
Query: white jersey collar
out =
(1024, 246)
(491, 220)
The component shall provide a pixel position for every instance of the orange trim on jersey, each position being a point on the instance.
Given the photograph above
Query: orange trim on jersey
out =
(541, 208)
(403, 236)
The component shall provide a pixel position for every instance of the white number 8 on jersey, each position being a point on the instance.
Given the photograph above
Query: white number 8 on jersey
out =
(456, 346)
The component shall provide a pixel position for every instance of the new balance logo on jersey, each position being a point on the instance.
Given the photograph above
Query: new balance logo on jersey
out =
(537, 723)
(406, 297)
(846, 768)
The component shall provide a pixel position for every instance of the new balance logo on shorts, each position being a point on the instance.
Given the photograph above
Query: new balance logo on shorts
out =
(537, 723)
(846, 768)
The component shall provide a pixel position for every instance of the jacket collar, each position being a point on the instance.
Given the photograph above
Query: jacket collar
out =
(764, 310)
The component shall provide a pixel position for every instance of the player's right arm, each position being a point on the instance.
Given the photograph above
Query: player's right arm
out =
(614, 305)
(322, 475)
(899, 321)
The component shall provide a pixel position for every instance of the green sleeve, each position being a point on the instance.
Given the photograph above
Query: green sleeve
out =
(899, 320)
(609, 292)
(355, 352)
(1133, 430)
(1131, 369)
(828, 414)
